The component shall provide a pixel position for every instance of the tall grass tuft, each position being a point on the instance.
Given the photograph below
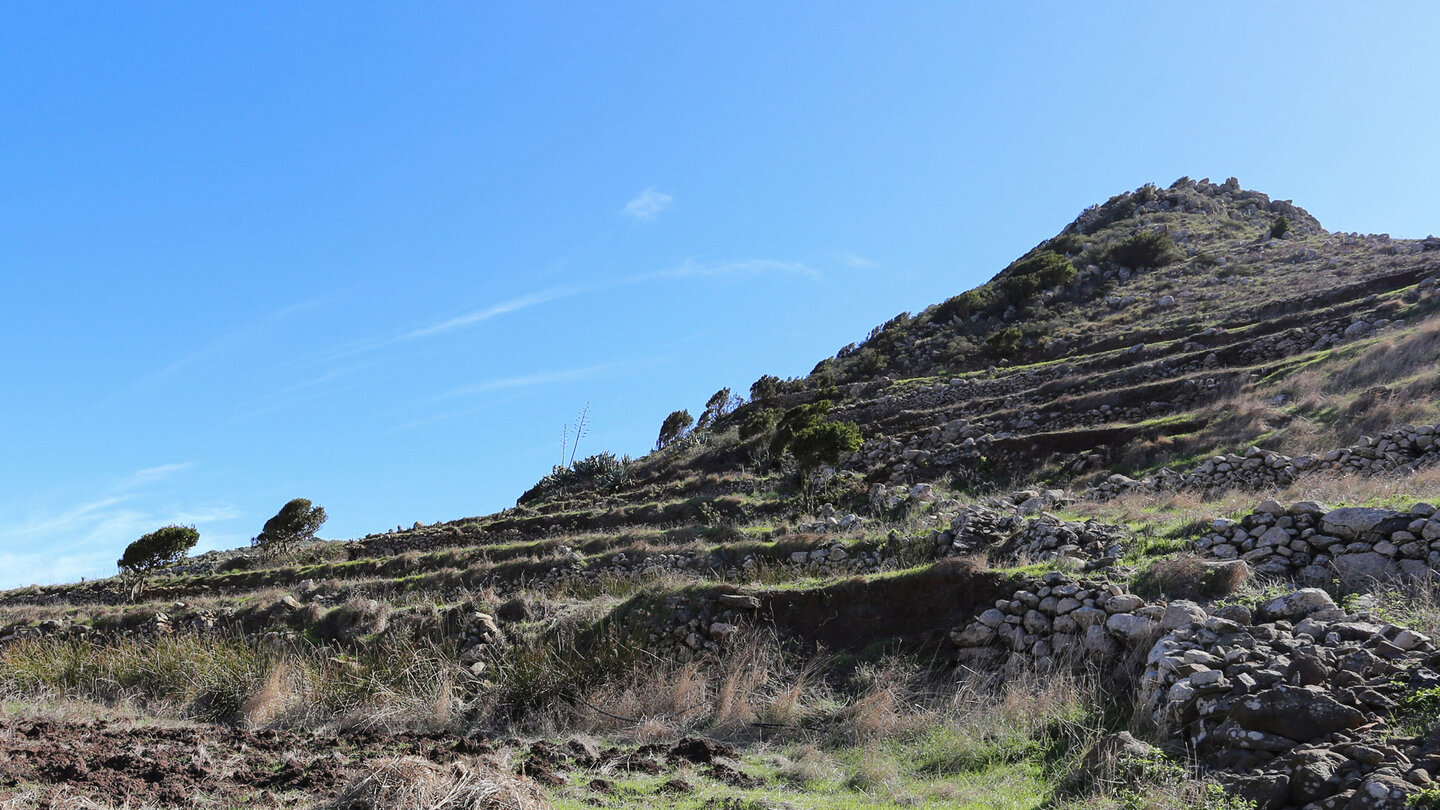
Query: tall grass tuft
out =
(235, 680)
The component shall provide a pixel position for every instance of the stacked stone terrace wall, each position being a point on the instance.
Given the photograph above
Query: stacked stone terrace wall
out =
(1309, 543)
(1404, 449)
(1289, 701)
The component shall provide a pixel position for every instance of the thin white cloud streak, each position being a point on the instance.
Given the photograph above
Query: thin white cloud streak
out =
(63, 522)
(691, 269)
(221, 345)
(455, 323)
(857, 261)
(46, 568)
(149, 475)
(531, 380)
(480, 316)
(510, 385)
(648, 204)
(86, 539)
(290, 395)
(510, 306)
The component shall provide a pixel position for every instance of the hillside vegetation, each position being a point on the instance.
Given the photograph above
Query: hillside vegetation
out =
(1145, 521)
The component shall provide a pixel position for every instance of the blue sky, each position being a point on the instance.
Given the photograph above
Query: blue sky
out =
(378, 254)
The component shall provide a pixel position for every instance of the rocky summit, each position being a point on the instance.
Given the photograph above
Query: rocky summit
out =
(1146, 520)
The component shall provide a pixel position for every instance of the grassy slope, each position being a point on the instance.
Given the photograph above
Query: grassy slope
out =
(879, 726)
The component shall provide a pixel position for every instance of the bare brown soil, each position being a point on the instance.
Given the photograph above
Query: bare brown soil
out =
(177, 766)
(185, 766)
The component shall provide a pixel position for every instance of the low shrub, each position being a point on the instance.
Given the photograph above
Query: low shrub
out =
(1005, 342)
(1149, 249)
(350, 622)
(1188, 576)
(602, 471)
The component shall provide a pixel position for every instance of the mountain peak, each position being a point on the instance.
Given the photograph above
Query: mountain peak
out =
(1195, 197)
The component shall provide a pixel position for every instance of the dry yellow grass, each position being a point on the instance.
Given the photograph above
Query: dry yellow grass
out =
(411, 783)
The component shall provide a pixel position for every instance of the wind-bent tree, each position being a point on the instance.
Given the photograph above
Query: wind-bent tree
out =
(673, 428)
(720, 403)
(296, 522)
(161, 548)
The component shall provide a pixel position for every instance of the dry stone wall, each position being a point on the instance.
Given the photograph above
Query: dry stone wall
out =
(1404, 449)
(1015, 538)
(1054, 620)
(1309, 543)
(1292, 704)
(1289, 701)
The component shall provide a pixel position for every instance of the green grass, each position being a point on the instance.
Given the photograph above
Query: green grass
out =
(1010, 786)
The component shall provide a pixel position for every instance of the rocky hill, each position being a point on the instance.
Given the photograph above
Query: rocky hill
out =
(1144, 521)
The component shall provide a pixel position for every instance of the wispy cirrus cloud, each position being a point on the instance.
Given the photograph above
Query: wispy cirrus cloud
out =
(84, 539)
(856, 261)
(690, 268)
(511, 385)
(68, 547)
(532, 380)
(648, 204)
(149, 475)
(493, 311)
(227, 343)
(686, 269)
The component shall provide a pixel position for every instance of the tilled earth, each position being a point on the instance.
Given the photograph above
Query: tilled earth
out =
(189, 765)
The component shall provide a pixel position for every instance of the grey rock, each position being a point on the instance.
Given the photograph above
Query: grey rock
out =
(1181, 613)
(1124, 603)
(723, 631)
(1314, 774)
(1350, 522)
(1298, 712)
(975, 635)
(1296, 605)
(1364, 565)
(1131, 627)
(992, 618)
(1381, 791)
(739, 600)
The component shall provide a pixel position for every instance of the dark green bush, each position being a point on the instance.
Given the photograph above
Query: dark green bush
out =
(1005, 342)
(1067, 244)
(1121, 206)
(812, 438)
(824, 443)
(1039, 270)
(673, 427)
(721, 403)
(871, 361)
(159, 549)
(1280, 228)
(963, 305)
(296, 522)
(761, 423)
(766, 388)
(796, 420)
(1150, 249)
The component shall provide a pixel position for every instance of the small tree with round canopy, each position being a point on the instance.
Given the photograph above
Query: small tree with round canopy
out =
(296, 522)
(161, 548)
